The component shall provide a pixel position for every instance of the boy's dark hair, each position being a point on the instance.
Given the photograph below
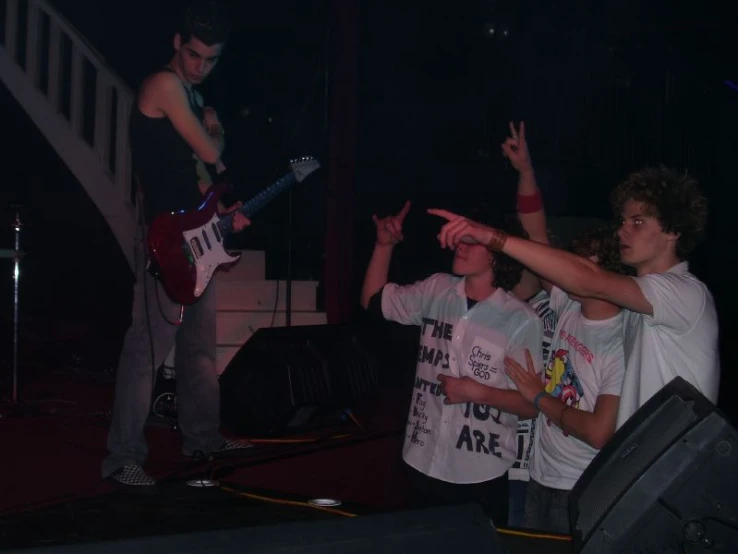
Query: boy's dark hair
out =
(672, 198)
(603, 243)
(506, 270)
(207, 21)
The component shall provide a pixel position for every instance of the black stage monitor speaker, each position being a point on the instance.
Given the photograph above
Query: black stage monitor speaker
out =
(666, 482)
(285, 379)
(440, 530)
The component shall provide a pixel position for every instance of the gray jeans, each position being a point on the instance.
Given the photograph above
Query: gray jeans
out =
(546, 509)
(154, 324)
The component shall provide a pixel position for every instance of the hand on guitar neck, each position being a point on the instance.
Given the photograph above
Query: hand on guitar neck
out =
(240, 221)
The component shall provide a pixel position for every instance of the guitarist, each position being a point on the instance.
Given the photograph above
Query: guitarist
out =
(169, 129)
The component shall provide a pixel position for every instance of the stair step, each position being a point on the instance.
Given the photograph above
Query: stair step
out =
(235, 328)
(251, 267)
(232, 331)
(263, 295)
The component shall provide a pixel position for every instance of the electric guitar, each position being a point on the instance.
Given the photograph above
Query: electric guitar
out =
(186, 248)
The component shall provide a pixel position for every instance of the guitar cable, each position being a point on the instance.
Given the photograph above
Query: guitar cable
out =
(147, 306)
(147, 275)
(164, 316)
(276, 305)
(142, 231)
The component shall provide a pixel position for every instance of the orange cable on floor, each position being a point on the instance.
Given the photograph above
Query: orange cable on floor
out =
(297, 441)
(288, 502)
(533, 534)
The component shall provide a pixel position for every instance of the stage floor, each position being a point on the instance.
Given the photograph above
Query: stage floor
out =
(51, 493)
(182, 515)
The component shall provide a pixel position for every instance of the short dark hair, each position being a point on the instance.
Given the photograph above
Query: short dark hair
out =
(507, 271)
(207, 21)
(603, 243)
(673, 198)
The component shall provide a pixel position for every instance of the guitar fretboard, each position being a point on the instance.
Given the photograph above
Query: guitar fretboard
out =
(225, 225)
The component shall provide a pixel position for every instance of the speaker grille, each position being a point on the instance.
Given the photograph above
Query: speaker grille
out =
(284, 377)
(354, 369)
(307, 373)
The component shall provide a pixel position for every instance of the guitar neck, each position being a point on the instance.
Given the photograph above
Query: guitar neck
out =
(258, 202)
(267, 195)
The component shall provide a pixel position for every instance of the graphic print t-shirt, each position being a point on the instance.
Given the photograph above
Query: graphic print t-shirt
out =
(461, 443)
(586, 360)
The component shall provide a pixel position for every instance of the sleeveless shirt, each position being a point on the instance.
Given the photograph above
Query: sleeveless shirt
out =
(164, 163)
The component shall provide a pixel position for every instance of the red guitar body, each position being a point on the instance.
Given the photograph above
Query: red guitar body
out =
(186, 248)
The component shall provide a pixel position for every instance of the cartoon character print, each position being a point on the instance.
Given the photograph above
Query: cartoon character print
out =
(561, 380)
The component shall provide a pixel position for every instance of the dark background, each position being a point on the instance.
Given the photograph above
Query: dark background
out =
(603, 89)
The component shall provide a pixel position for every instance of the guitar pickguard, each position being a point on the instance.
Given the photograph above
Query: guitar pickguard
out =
(205, 246)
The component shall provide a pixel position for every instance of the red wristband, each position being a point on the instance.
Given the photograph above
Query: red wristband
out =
(527, 204)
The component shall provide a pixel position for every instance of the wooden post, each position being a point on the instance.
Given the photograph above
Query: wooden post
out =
(101, 139)
(76, 111)
(32, 41)
(54, 64)
(11, 22)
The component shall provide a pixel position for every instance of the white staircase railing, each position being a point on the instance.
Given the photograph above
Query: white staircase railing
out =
(78, 103)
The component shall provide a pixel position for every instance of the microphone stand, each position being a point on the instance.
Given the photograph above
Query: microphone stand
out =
(288, 281)
(19, 408)
(16, 278)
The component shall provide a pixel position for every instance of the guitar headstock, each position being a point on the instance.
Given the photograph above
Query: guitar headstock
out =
(302, 167)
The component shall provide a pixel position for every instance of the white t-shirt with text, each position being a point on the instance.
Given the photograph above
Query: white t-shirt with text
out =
(461, 443)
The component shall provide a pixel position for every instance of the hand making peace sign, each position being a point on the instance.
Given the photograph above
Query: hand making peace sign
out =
(515, 149)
